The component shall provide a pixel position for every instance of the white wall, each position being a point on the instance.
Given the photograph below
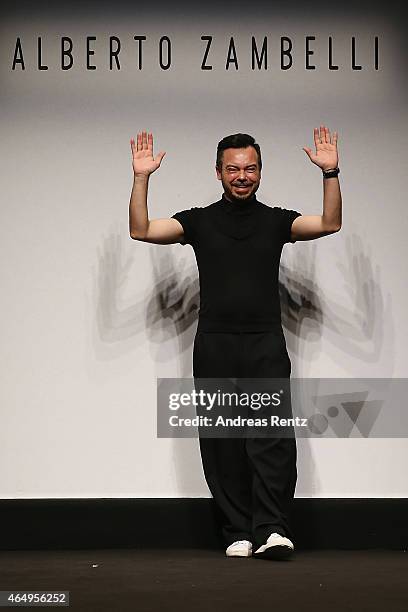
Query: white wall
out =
(84, 330)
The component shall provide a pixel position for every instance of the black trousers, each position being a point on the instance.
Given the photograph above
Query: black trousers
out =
(252, 480)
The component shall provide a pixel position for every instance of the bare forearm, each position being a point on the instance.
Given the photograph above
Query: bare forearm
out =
(332, 202)
(138, 213)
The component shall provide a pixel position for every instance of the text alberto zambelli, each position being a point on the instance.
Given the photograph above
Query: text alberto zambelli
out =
(67, 53)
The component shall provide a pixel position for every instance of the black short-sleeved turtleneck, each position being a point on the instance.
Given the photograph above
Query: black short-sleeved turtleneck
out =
(238, 246)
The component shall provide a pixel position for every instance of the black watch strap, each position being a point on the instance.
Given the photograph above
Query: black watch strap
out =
(333, 172)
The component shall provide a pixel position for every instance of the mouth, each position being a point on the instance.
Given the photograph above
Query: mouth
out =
(241, 187)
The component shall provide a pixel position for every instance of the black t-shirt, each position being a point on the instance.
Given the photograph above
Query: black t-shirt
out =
(238, 246)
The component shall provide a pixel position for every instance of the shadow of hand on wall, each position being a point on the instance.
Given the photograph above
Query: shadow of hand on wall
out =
(175, 299)
(364, 330)
(354, 318)
(170, 303)
(169, 307)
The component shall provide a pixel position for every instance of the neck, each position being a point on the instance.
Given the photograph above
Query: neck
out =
(238, 202)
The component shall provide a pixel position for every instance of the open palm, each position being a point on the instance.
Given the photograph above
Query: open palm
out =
(326, 156)
(142, 152)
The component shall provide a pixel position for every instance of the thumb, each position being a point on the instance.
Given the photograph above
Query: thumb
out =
(160, 156)
(308, 152)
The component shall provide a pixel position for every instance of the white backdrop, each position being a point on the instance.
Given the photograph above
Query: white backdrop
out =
(90, 318)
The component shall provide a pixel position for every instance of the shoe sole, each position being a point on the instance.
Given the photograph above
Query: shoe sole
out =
(276, 553)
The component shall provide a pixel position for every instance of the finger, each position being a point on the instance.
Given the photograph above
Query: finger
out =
(322, 134)
(144, 139)
(316, 137)
(150, 142)
(327, 135)
(334, 138)
(139, 141)
(132, 145)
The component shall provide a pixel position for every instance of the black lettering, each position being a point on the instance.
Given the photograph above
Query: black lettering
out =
(207, 49)
(376, 52)
(309, 52)
(255, 53)
(40, 65)
(231, 55)
(114, 53)
(162, 65)
(354, 66)
(331, 65)
(89, 52)
(140, 38)
(287, 52)
(66, 52)
(18, 56)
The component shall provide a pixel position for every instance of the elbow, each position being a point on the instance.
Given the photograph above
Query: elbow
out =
(331, 226)
(332, 229)
(138, 234)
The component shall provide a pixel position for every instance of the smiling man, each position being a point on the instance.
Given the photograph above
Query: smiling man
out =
(239, 169)
(238, 242)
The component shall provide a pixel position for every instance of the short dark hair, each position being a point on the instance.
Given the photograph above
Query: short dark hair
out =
(237, 141)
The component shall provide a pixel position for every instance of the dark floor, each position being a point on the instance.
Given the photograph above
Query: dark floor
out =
(198, 580)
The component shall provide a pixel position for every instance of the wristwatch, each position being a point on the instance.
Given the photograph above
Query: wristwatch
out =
(331, 172)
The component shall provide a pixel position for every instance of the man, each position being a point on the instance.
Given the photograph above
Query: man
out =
(238, 243)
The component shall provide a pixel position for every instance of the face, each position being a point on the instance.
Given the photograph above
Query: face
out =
(240, 174)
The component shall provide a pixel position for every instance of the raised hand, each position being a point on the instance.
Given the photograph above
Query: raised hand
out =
(326, 156)
(142, 152)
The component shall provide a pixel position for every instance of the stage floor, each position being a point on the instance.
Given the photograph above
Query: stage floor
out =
(206, 580)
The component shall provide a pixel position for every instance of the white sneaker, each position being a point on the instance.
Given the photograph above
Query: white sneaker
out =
(240, 548)
(276, 547)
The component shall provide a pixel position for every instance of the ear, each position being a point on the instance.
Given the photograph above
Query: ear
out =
(218, 173)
